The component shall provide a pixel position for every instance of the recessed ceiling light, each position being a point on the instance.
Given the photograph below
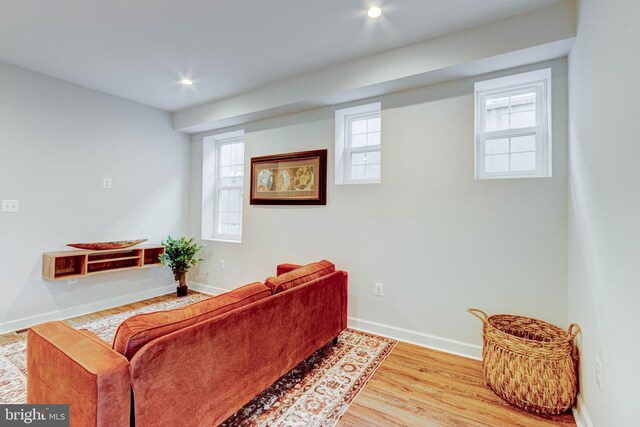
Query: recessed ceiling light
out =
(374, 12)
(186, 82)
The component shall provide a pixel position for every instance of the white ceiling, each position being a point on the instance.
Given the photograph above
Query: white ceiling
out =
(140, 49)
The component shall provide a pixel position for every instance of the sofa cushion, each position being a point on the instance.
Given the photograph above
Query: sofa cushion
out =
(299, 276)
(136, 331)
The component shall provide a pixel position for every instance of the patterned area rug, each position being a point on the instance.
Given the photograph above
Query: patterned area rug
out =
(13, 356)
(315, 393)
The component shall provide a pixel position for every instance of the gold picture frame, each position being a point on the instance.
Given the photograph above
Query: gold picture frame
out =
(289, 179)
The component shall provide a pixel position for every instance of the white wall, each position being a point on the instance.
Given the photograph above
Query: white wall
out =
(57, 142)
(439, 240)
(604, 237)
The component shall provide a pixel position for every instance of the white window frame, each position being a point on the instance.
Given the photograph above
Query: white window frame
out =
(211, 186)
(540, 82)
(344, 149)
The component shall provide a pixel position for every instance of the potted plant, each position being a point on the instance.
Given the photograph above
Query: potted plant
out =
(180, 255)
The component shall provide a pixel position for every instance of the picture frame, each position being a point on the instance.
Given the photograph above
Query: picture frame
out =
(298, 178)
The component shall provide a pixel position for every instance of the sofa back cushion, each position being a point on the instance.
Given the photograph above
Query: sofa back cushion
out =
(299, 276)
(136, 331)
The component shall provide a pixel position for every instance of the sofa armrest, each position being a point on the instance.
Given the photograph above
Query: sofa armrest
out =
(285, 268)
(65, 365)
(94, 337)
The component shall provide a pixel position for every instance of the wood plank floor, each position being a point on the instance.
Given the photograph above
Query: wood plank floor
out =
(414, 386)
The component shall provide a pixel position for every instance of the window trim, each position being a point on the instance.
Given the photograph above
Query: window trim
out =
(210, 186)
(344, 150)
(540, 81)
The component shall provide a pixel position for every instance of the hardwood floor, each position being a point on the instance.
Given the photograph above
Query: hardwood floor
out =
(414, 386)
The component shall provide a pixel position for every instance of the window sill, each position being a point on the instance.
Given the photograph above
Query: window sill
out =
(216, 239)
(490, 177)
(358, 182)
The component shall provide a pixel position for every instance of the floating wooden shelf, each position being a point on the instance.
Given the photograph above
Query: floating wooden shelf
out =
(79, 263)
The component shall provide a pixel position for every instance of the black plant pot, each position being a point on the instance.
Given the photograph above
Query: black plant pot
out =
(182, 291)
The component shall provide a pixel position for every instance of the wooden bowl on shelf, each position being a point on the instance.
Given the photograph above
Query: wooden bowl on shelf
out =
(103, 246)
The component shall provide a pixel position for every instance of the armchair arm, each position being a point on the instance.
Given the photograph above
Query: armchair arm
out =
(285, 268)
(65, 365)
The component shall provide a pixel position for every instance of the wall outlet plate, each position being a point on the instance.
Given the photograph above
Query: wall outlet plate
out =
(10, 206)
(378, 289)
(107, 183)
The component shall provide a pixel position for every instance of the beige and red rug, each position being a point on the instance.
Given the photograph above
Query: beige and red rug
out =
(315, 393)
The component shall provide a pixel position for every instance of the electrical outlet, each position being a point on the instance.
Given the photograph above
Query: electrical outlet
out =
(72, 281)
(10, 206)
(107, 183)
(222, 264)
(598, 372)
(378, 289)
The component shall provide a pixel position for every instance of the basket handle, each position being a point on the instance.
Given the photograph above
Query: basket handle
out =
(574, 330)
(479, 314)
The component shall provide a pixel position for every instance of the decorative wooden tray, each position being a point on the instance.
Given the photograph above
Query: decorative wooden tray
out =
(103, 246)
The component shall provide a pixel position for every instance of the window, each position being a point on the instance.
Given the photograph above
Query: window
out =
(513, 126)
(358, 142)
(222, 186)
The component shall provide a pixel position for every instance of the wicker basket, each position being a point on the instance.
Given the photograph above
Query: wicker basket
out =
(530, 363)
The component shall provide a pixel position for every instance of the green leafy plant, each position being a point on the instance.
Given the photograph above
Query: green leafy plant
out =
(180, 256)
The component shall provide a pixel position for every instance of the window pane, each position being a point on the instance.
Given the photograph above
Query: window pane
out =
(497, 105)
(223, 200)
(523, 143)
(235, 220)
(358, 126)
(523, 162)
(497, 163)
(226, 171)
(373, 138)
(225, 154)
(497, 122)
(374, 125)
(523, 120)
(359, 140)
(237, 156)
(373, 157)
(497, 146)
(235, 201)
(223, 225)
(358, 159)
(237, 172)
(523, 102)
(234, 229)
(358, 172)
(372, 171)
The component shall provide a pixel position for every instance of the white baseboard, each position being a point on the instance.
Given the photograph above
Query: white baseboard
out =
(580, 413)
(447, 345)
(81, 310)
(207, 289)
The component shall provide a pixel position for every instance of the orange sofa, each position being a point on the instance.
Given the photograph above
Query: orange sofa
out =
(193, 366)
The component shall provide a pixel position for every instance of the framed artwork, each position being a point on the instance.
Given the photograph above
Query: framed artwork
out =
(289, 179)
